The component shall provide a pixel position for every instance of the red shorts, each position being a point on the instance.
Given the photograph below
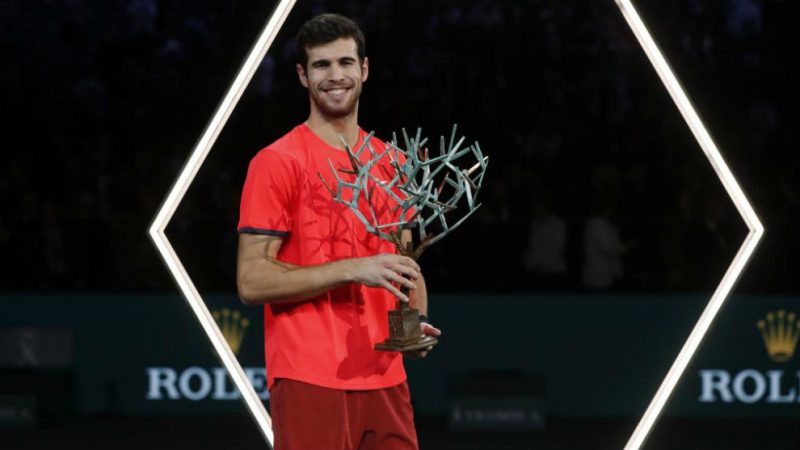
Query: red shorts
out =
(308, 417)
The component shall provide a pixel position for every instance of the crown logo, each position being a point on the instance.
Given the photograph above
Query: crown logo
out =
(780, 332)
(233, 327)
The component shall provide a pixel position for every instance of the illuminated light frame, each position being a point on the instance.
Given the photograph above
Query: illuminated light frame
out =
(176, 194)
(226, 107)
(756, 230)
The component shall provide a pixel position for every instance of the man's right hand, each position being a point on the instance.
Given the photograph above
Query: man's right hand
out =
(383, 270)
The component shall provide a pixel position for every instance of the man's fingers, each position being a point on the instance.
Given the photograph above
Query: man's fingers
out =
(398, 261)
(425, 352)
(393, 276)
(390, 287)
(406, 270)
(410, 262)
(416, 354)
(430, 330)
(421, 353)
(406, 261)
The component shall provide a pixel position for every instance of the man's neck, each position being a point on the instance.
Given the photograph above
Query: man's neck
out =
(330, 130)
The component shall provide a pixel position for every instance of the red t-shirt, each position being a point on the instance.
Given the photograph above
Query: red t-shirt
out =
(328, 340)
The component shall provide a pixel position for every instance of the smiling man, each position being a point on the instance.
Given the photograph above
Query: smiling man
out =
(325, 282)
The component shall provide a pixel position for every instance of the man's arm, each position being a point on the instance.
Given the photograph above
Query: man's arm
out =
(261, 278)
(419, 300)
(419, 296)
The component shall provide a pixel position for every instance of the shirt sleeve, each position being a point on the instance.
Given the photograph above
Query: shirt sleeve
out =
(268, 195)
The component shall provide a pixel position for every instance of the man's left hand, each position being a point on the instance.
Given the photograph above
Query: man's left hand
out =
(427, 330)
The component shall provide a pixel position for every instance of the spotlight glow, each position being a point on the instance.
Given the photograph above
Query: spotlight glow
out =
(756, 230)
(176, 194)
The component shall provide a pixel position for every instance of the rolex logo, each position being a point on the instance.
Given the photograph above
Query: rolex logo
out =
(780, 332)
(233, 327)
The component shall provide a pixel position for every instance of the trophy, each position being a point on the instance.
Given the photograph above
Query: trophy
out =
(420, 192)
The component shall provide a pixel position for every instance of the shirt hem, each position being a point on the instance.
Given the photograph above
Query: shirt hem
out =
(339, 386)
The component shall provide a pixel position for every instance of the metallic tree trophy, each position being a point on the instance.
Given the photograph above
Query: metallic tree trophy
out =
(422, 191)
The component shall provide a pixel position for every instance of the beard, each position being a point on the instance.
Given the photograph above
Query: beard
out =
(334, 110)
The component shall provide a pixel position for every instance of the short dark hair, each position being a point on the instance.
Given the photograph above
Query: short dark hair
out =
(326, 28)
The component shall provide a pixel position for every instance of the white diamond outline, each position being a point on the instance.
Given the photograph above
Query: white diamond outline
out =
(245, 74)
(756, 229)
(176, 194)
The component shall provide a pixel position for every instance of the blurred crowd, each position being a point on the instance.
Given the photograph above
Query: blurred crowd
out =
(595, 183)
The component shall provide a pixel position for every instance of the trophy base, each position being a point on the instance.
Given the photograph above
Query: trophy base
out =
(406, 345)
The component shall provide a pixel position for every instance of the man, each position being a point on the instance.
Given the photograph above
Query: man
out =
(325, 282)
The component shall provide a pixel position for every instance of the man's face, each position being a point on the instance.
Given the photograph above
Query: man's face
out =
(334, 77)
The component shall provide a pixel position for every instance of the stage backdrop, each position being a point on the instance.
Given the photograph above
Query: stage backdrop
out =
(570, 355)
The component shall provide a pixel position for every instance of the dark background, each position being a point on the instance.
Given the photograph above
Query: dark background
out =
(103, 101)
